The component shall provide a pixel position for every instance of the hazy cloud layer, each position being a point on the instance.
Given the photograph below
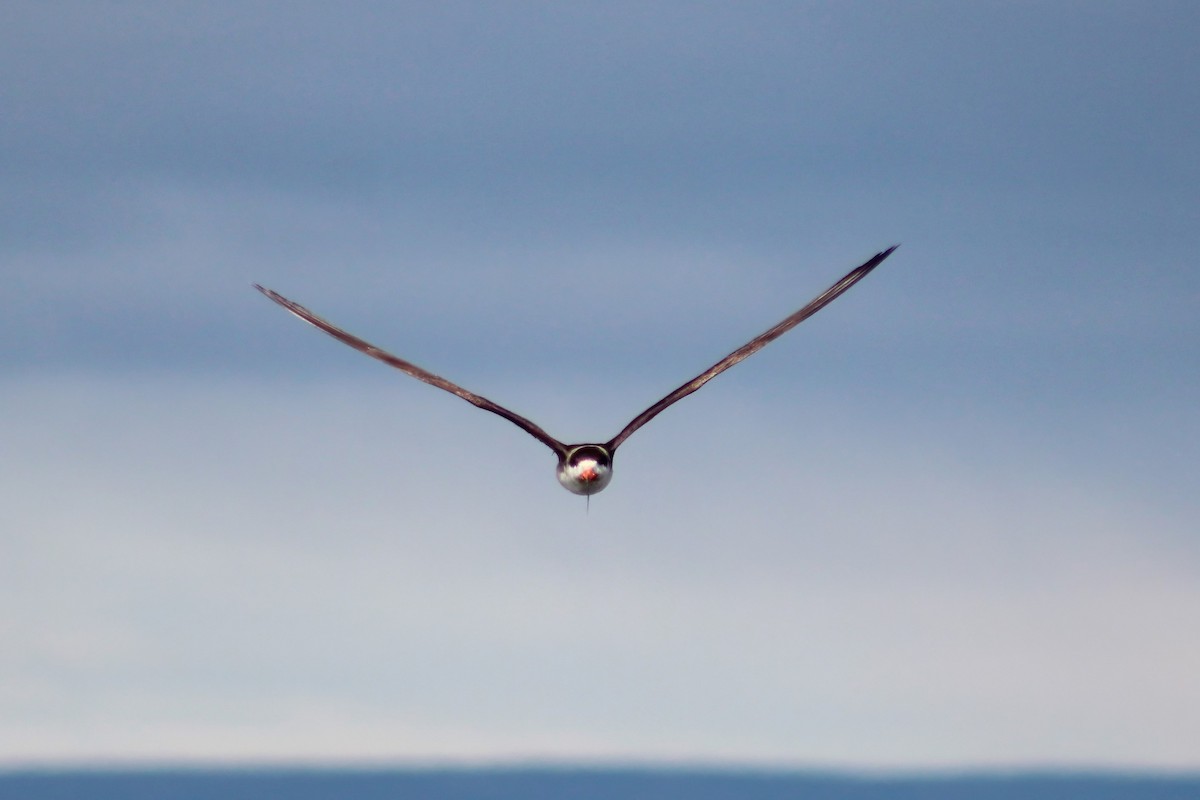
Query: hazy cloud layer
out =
(278, 578)
(951, 520)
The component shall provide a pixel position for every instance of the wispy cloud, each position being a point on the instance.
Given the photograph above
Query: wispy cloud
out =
(948, 521)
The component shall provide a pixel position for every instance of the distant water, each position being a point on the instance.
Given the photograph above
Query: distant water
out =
(571, 784)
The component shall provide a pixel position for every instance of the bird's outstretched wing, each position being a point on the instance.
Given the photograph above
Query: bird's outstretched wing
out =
(415, 371)
(750, 348)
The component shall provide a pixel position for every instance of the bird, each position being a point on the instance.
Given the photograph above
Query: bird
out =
(586, 469)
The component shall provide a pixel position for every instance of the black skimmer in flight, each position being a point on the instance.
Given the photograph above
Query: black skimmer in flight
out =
(587, 468)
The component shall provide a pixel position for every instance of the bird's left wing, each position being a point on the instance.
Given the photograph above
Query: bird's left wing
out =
(751, 347)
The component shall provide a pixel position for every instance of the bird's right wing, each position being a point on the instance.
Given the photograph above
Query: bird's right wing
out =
(415, 371)
(751, 347)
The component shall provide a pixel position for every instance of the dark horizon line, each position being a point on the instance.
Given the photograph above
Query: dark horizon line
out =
(594, 766)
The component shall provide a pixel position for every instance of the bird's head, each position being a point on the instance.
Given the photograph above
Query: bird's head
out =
(585, 468)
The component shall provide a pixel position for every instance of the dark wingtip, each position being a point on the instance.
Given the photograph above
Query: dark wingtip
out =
(271, 294)
(877, 259)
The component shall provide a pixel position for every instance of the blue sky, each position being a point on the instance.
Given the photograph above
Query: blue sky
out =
(950, 521)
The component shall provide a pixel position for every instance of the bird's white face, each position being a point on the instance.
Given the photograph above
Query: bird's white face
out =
(585, 472)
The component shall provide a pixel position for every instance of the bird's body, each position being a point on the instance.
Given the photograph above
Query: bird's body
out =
(586, 469)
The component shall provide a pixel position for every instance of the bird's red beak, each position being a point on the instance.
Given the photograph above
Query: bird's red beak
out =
(588, 474)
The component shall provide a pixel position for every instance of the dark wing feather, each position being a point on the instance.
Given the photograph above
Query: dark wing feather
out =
(750, 348)
(415, 371)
